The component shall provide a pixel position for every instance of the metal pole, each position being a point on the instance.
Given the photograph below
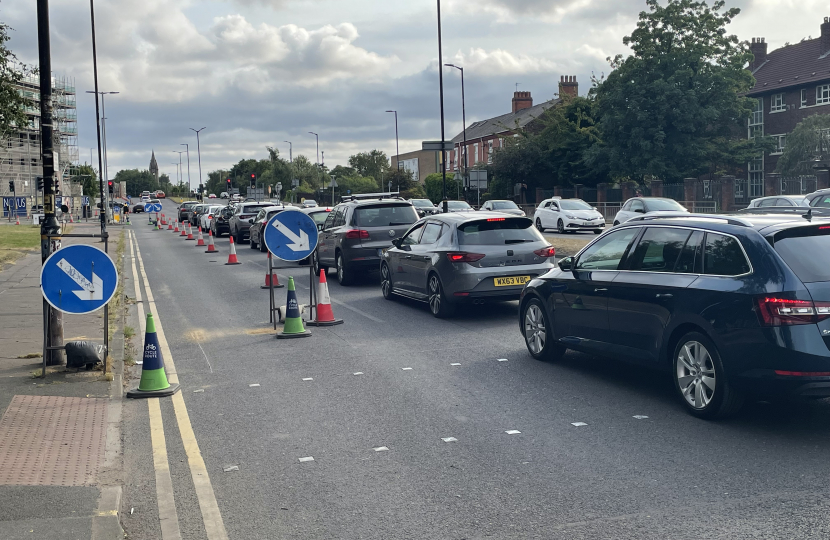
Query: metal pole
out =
(318, 155)
(199, 154)
(441, 88)
(187, 147)
(397, 146)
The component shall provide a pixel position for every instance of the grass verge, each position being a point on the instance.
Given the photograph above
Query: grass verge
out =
(16, 242)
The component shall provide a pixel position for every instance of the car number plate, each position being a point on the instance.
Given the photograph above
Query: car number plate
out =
(511, 281)
(381, 251)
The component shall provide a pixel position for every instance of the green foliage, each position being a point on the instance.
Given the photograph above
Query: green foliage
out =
(809, 141)
(402, 180)
(374, 164)
(86, 175)
(12, 103)
(433, 186)
(673, 109)
(137, 181)
(357, 184)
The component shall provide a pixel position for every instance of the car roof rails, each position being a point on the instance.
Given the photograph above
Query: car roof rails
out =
(672, 215)
(368, 196)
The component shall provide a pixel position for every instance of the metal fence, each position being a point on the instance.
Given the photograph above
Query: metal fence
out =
(798, 185)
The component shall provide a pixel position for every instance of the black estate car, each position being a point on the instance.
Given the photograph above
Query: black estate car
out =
(730, 306)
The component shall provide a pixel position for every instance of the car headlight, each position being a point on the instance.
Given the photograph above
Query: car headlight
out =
(570, 216)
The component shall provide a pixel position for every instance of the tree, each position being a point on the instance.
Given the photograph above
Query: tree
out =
(674, 108)
(433, 185)
(808, 142)
(374, 164)
(85, 174)
(401, 179)
(137, 181)
(12, 102)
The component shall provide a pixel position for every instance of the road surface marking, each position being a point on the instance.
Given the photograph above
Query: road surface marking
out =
(578, 424)
(138, 298)
(308, 379)
(380, 449)
(199, 390)
(449, 439)
(305, 459)
(231, 468)
(358, 373)
(502, 359)
(358, 311)
(640, 417)
(255, 385)
(168, 518)
(407, 369)
(205, 355)
(513, 432)
(455, 364)
(211, 517)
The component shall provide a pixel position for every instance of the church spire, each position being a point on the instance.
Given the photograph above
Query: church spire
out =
(154, 166)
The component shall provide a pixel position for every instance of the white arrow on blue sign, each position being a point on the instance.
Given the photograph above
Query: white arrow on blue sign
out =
(78, 279)
(152, 207)
(291, 235)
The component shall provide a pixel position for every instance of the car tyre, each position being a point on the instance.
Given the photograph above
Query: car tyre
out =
(344, 274)
(238, 238)
(597, 231)
(253, 244)
(262, 247)
(386, 281)
(315, 264)
(539, 225)
(537, 331)
(560, 227)
(700, 379)
(440, 307)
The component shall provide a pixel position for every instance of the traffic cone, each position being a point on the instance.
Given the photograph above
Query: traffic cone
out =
(232, 256)
(169, 225)
(293, 327)
(201, 240)
(177, 226)
(70, 218)
(184, 229)
(211, 246)
(271, 278)
(325, 316)
(189, 233)
(153, 378)
(17, 222)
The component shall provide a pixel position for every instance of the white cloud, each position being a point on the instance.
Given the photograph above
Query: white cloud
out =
(500, 62)
(509, 11)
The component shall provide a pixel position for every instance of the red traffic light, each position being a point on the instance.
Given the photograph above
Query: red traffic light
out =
(253, 175)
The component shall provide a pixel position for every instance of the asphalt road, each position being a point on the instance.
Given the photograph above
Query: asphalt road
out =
(393, 376)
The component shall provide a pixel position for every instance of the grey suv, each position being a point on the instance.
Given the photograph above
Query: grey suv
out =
(240, 221)
(358, 230)
(184, 210)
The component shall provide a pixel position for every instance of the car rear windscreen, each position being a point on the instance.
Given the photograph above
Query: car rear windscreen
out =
(807, 253)
(387, 215)
(253, 208)
(498, 232)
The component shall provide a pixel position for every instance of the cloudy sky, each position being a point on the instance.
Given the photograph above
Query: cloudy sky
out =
(259, 72)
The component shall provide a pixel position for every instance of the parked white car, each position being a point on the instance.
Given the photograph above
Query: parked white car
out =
(204, 219)
(778, 200)
(223, 195)
(639, 206)
(568, 215)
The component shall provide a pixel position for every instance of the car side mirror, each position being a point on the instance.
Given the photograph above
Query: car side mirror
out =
(251, 221)
(397, 242)
(640, 211)
(594, 207)
(566, 264)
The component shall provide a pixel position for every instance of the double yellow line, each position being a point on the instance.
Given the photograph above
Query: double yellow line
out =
(214, 526)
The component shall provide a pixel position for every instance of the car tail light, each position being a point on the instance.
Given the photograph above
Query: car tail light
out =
(803, 373)
(546, 252)
(464, 257)
(246, 216)
(357, 234)
(496, 219)
(784, 311)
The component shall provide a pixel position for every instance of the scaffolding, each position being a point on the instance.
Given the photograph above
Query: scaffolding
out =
(20, 154)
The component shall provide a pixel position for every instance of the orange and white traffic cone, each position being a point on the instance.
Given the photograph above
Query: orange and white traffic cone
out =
(184, 229)
(201, 240)
(325, 316)
(177, 226)
(190, 233)
(211, 246)
(70, 218)
(169, 225)
(232, 256)
(17, 222)
(271, 278)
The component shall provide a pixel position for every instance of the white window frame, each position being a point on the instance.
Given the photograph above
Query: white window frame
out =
(777, 104)
(475, 153)
(755, 122)
(755, 177)
(823, 94)
(780, 143)
(803, 97)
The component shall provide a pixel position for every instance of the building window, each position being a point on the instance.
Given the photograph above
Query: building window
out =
(780, 143)
(777, 103)
(455, 159)
(475, 153)
(489, 151)
(823, 94)
(804, 97)
(756, 120)
(756, 177)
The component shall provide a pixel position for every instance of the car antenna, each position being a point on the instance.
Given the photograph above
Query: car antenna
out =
(809, 215)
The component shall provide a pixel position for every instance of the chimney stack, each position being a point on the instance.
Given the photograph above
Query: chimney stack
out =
(568, 86)
(825, 36)
(522, 100)
(758, 48)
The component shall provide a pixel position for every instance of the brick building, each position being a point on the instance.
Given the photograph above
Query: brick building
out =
(485, 136)
(792, 83)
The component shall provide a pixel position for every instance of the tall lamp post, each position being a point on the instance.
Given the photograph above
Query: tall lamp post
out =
(187, 148)
(441, 90)
(103, 127)
(318, 155)
(180, 170)
(199, 154)
(397, 146)
(463, 119)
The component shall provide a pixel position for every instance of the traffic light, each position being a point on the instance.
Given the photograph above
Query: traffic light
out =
(111, 186)
(57, 189)
(11, 186)
(229, 183)
(253, 180)
(39, 183)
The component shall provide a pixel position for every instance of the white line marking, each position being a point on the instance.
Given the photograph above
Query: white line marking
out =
(168, 517)
(358, 373)
(206, 358)
(407, 369)
(640, 417)
(449, 439)
(502, 359)
(253, 385)
(199, 390)
(231, 468)
(513, 432)
(347, 306)
(380, 449)
(308, 379)
(578, 424)
(455, 364)
(304, 459)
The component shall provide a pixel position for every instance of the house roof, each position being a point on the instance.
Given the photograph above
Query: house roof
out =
(792, 65)
(505, 122)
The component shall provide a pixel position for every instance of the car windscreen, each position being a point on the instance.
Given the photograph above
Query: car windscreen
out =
(458, 205)
(661, 205)
(253, 208)
(498, 232)
(385, 215)
(807, 252)
(320, 217)
(422, 203)
(504, 205)
(574, 205)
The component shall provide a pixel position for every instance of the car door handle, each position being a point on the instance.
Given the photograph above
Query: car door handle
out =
(408, 257)
(600, 290)
(666, 295)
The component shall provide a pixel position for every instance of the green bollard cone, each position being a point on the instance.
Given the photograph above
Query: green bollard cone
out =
(153, 378)
(293, 321)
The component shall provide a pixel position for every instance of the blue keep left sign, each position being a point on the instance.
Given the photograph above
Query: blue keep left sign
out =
(291, 235)
(152, 207)
(78, 279)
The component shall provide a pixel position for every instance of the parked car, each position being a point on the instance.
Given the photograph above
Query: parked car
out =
(778, 200)
(220, 224)
(184, 210)
(820, 198)
(424, 207)
(357, 231)
(207, 216)
(160, 194)
(240, 221)
(223, 195)
(729, 306)
(457, 206)
(638, 206)
(308, 203)
(568, 215)
(237, 197)
(139, 208)
(258, 223)
(452, 258)
(319, 214)
(196, 213)
(145, 194)
(212, 196)
(505, 207)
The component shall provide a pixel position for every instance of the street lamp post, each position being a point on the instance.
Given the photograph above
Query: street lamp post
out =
(103, 127)
(180, 170)
(318, 155)
(441, 90)
(199, 154)
(187, 148)
(463, 119)
(397, 146)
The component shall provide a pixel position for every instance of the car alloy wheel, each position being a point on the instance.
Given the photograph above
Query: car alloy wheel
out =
(539, 225)
(385, 281)
(438, 304)
(700, 379)
(536, 330)
(343, 275)
(560, 227)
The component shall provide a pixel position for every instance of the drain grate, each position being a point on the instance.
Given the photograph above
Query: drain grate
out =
(52, 440)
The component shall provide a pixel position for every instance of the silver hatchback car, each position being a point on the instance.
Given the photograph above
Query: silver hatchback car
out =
(448, 259)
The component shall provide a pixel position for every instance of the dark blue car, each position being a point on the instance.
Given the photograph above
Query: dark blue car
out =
(730, 306)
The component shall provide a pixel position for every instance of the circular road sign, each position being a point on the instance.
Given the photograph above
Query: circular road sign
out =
(291, 236)
(78, 279)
